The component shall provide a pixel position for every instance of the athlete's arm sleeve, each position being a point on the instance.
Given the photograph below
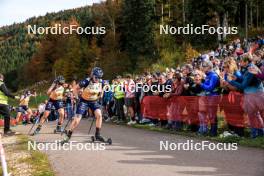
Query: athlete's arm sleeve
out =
(22, 97)
(6, 91)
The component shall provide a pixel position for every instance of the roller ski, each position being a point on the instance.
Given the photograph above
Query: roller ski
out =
(100, 139)
(33, 125)
(58, 129)
(64, 131)
(66, 137)
(36, 131)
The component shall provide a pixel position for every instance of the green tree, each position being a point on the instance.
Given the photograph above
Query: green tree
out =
(137, 28)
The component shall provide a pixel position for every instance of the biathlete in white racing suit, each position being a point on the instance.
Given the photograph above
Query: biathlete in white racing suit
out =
(23, 105)
(55, 93)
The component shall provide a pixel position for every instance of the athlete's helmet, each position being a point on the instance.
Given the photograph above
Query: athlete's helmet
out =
(97, 72)
(28, 92)
(60, 80)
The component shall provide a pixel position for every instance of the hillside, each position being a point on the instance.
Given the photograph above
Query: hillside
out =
(132, 42)
(17, 47)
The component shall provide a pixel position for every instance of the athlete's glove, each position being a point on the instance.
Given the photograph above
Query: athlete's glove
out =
(17, 97)
(55, 81)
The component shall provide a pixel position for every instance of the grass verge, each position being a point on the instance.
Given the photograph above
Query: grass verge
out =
(242, 141)
(24, 162)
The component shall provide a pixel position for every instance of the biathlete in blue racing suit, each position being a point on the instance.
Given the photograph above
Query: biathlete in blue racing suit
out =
(92, 91)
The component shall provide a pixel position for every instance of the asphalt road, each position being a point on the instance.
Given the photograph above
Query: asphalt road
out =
(136, 152)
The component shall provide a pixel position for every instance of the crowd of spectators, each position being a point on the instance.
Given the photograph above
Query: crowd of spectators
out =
(225, 84)
(228, 79)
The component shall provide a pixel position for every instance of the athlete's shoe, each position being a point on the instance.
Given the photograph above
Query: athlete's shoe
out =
(131, 122)
(143, 121)
(99, 138)
(107, 120)
(151, 125)
(58, 128)
(69, 134)
(116, 121)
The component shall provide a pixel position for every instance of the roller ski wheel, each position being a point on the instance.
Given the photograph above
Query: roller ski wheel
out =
(101, 139)
(109, 141)
(93, 139)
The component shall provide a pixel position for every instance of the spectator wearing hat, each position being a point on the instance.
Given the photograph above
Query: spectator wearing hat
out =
(191, 103)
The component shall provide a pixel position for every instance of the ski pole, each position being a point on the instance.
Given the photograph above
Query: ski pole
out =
(68, 122)
(33, 125)
(91, 126)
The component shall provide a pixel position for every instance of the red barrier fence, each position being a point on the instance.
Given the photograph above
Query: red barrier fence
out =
(189, 108)
(12, 122)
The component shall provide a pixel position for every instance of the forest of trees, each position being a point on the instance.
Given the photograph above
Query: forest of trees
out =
(132, 42)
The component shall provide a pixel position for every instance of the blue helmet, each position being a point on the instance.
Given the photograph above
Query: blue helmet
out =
(97, 72)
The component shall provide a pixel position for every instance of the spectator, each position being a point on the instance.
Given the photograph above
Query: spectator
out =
(253, 97)
(177, 106)
(107, 98)
(41, 108)
(190, 103)
(4, 108)
(146, 86)
(256, 71)
(130, 98)
(211, 89)
(138, 98)
(164, 90)
(231, 98)
(69, 102)
(119, 95)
